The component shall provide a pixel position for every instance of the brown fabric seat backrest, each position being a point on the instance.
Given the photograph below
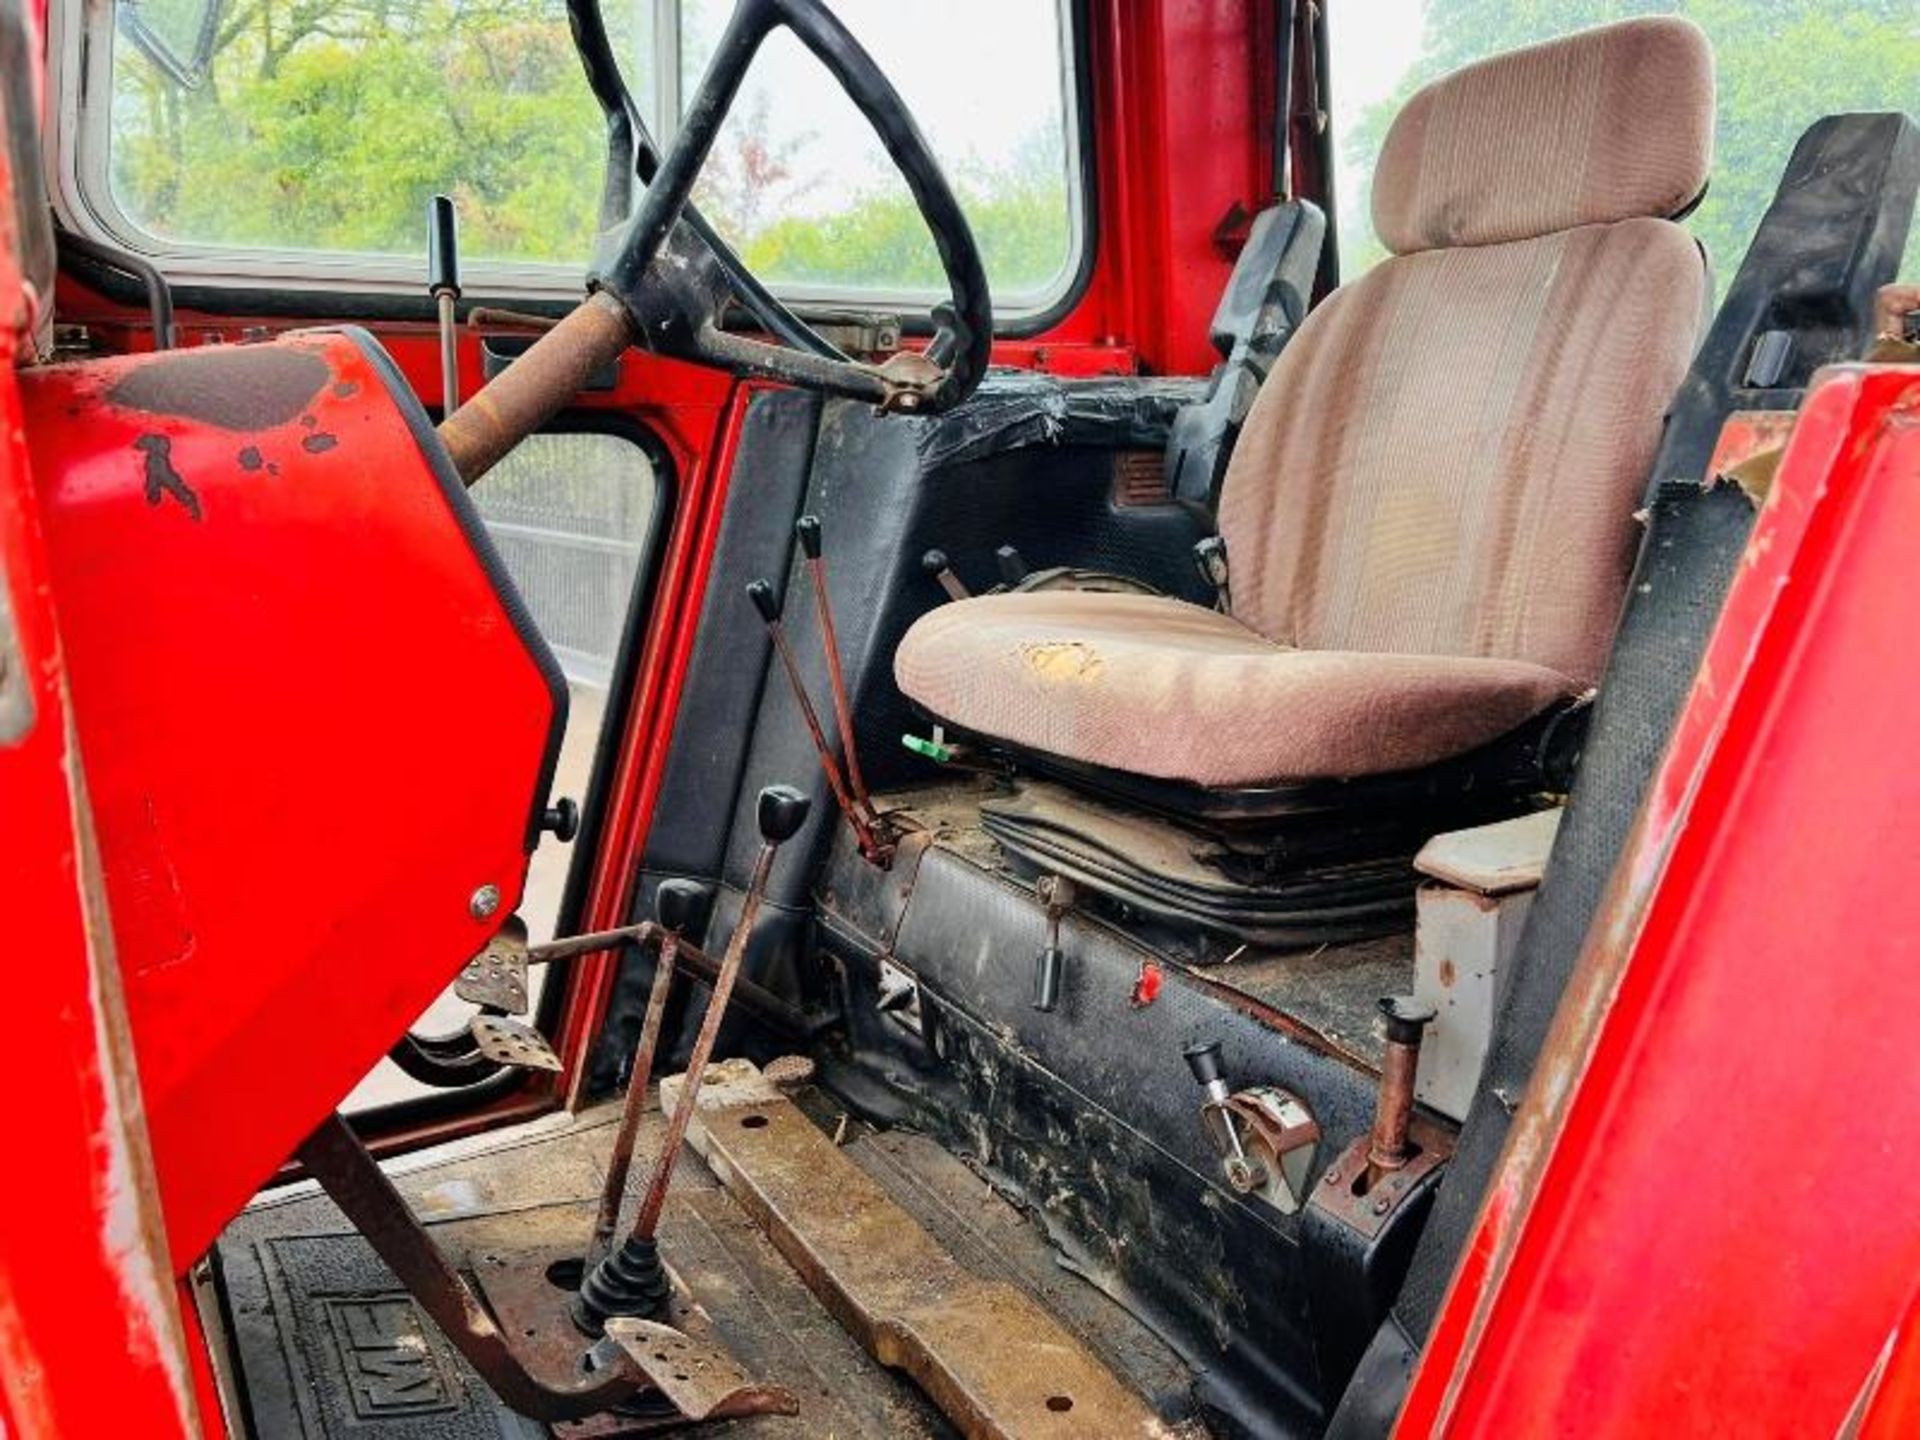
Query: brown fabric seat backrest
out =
(1447, 457)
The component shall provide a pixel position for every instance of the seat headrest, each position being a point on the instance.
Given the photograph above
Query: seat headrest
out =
(1603, 125)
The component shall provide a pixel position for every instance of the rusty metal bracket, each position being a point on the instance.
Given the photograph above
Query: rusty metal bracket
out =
(701, 1381)
(598, 1377)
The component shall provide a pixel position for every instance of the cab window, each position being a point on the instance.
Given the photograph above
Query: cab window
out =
(310, 136)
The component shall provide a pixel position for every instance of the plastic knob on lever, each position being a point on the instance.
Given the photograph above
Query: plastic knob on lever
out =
(681, 905)
(807, 528)
(443, 247)
(764, 600)
(933, 562)
(782, 811)
(1204, 1062)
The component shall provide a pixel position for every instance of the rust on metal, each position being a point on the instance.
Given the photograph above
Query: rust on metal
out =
(1749, 449)
(508, 1042)
(497, 976)
(986, 1353)
(635, 1104)
(536, 386)
(1365, 1206)
(701, 1381)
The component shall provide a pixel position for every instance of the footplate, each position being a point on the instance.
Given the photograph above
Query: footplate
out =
(497, 976)
(508, 1042)
(985, 1351)
(701, 1381)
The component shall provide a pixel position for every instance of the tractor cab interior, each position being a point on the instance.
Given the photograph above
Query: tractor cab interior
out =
(1088, 806)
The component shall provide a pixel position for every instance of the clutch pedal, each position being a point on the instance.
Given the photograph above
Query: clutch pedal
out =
(497, 976)
(509, 1042)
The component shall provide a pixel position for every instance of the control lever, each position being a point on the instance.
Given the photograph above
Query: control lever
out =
(680, 907)
(1265, 1136)
(443, 284)
(1389, 1149)
(1243, 1171)
(1050, 966)
(807, 531)
(768, 604)
(935, 563)
(631, 1281)
(1013, 568)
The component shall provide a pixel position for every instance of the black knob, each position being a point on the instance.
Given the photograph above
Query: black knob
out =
(443, 247)
(681, 906)
(764, 600)
(1204, 1062)
(1049, 971)
(783, 810)
(934, 561)
(1406, 1017)
(1013, 568)
(807, 528)
(562, 820)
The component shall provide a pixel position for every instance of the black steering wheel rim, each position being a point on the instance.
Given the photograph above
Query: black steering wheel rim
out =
(677, 311)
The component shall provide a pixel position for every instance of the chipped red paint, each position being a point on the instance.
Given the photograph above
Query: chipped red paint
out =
(1705, 1215)
(90, 1342)
(312, 731)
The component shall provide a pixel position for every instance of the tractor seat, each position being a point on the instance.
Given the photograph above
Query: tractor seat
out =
(1429, 516)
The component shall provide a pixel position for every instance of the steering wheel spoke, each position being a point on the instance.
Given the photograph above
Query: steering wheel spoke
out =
(668, 277)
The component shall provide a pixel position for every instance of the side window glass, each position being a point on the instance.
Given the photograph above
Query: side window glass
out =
(571, 515)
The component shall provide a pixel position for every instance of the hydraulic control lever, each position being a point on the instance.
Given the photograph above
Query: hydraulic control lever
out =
(807, 531)
(764, 600)
(1265, 1136)
(680, 908)
(443, 284)
(631, 1281)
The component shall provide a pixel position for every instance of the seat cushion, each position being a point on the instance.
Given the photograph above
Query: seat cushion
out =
(1158, 687)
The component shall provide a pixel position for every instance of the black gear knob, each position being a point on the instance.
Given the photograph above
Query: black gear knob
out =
(807, 528)
(764, 600)
(934, 561)
(783, 810)
(1204, 1062)
(681, 906)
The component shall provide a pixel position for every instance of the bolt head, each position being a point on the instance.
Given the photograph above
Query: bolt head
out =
(485, 903)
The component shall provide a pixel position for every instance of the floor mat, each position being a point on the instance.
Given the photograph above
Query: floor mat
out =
(327, 1345)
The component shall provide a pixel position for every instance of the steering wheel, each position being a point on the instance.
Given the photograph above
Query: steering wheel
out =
(669, 276)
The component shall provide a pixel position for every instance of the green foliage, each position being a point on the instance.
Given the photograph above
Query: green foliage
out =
(326, 125)
(1782, 64)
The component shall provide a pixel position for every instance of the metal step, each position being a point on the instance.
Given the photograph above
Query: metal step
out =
(986, 1352)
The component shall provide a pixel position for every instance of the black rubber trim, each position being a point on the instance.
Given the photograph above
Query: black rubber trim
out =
(420, 424)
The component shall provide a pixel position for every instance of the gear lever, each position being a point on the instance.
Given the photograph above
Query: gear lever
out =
(443, 284)
(680, 907)
(768, 604)
(807, 530)
(631, 1281)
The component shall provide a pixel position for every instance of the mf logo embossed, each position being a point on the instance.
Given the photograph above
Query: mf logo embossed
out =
(390, 1364)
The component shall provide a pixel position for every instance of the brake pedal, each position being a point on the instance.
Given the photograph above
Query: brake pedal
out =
(508, 1042)
(702, 1382)
(497, 976)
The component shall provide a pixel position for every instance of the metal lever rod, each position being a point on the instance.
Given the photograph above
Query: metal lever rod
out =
(679, 904)
(334, 1156)
(782, 811)
(808, 532)
(630, 1280)
(764, 600)
(443, 284)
